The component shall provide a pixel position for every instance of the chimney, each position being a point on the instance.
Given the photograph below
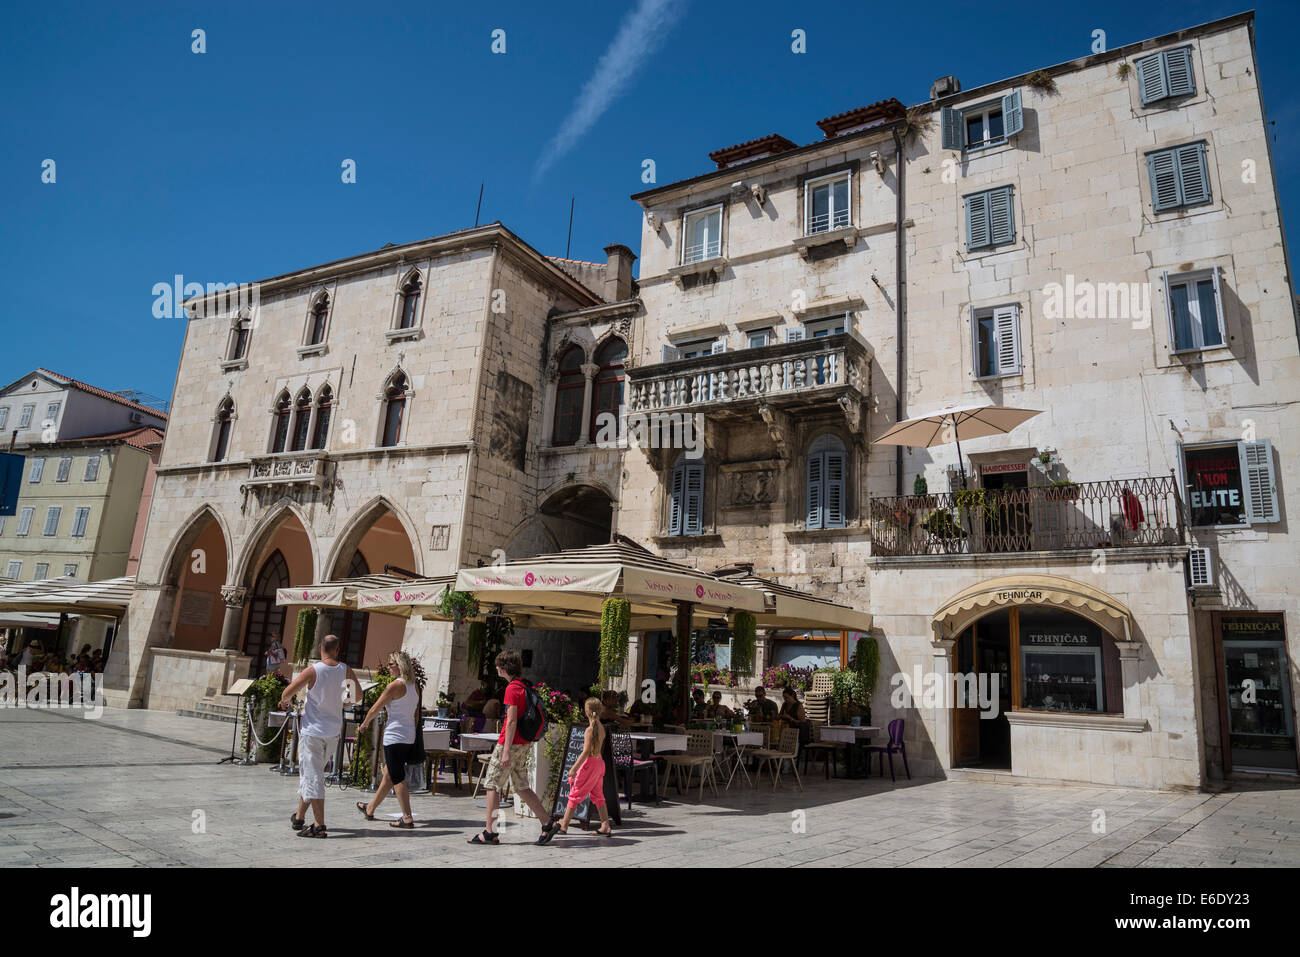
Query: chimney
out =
(618, 272)
(944, 86)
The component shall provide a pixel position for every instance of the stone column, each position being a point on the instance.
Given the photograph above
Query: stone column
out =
(1130, 657)
(589, 370)
(234, 596)
(942, 646)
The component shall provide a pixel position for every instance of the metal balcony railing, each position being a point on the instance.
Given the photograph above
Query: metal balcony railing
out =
(828, 221)
(699, 252)
(1109, 514)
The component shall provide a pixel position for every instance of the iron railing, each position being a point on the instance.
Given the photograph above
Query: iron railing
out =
(1109, 514)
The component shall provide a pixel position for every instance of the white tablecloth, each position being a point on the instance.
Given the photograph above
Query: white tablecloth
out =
(744, 739)
(845, 734)
(479, 741)
(436, 739)
(663, 741)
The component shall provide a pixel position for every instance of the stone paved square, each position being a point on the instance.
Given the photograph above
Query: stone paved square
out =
(123, 791)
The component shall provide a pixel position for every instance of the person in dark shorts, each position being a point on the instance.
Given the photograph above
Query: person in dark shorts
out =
(402, 699)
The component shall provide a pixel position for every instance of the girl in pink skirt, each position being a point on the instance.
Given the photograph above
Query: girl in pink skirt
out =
(587, 777)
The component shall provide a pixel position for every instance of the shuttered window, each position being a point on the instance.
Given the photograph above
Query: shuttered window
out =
(65, 467)
(686, 499)
(996, 345)
(79, 519)
(1180, 176)
(825, 484)
(1165, 75)
(36, 471)
(52, 520)
(1258, 482)
(990, 219)
(25, 521)
(984, 124)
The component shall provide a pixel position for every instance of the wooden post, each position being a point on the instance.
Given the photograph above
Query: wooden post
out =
(684, 609)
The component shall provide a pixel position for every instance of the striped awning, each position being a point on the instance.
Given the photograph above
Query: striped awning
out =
(1093, 603)
(105, 599)
(341, 593)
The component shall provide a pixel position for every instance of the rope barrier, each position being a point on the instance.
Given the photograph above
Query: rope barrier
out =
(252, 729)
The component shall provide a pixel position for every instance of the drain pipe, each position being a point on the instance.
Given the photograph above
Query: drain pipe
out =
(900, 309)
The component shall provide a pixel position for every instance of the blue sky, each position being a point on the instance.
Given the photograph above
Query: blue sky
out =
(225, 166)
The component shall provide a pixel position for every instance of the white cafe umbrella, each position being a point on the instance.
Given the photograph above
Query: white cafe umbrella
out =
(954, 423)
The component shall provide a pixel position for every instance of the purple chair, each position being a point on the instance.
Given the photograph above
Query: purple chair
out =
(895, 745)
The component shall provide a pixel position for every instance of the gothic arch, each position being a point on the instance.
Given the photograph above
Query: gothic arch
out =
(178, 550)
(262, 533)
(356, 527)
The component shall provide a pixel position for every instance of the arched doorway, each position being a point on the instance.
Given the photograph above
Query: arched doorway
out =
(197, 569)
(577, 516)
(266, 618)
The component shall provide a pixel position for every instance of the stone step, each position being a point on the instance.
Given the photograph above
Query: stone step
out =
(214, 709)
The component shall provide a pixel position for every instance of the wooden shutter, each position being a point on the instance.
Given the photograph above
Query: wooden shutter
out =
(1178, 75)
(1164, 180)
(1006, 337)
(1193, 175)
(693, 511)
(1258, 482)
(671, 354)
(977, 221)
(816, 475)
(675, 501)
(1002, 227)
(950, 126)
(1151, 79)
(833, 476)
(1013, 117)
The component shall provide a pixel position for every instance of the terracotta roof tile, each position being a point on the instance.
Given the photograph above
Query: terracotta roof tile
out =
(879, 112)
(102, 393)
(764, 145)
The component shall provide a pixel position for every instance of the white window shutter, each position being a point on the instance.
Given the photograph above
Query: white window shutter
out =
(1013, 117)
(795, 334)
(1169, 312)
(719, 345)
(1258, 482)
(671, 354)
(1006, 332)
(1198, 564)
(1218, 306)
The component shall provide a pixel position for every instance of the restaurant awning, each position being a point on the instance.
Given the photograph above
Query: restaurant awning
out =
(341, 593)
(788, 607)
(406, 597)
(103, 599)
(28, 619)
(968, 604)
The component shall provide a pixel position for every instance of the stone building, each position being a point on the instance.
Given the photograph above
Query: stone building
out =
(1100, 241)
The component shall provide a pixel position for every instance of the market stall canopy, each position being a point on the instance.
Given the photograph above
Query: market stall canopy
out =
(103, 599)
(788, 607)
(1093, 603)
(336, 594)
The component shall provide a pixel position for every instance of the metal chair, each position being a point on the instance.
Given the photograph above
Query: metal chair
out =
(895, 745)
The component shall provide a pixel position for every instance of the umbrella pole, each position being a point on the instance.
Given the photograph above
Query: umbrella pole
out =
(960, 467)
(684, 610)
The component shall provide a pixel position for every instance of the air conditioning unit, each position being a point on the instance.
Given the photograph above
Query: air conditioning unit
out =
(1199, 573)
(137, 417)
(944, 86)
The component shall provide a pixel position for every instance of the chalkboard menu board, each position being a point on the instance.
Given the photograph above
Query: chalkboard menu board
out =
(572, 751)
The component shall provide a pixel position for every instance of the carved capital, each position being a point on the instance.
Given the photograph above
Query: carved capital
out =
(852, 409)
(778, 427)
(234, 595)
(589, 369)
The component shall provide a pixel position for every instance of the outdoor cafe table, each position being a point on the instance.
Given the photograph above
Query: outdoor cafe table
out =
(849, 734)
(742, 739)
(661, 740)
(479, 740)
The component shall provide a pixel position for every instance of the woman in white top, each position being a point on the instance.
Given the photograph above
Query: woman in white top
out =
(402, 699)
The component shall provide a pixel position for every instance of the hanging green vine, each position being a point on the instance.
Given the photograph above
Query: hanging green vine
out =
(744, 636)
(457, 605)
(476, 644)
(496, 632)
(305, 637)
(615, 625)
(866, 662)
(365, 746)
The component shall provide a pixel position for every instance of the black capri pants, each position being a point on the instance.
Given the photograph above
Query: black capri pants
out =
(396, 758)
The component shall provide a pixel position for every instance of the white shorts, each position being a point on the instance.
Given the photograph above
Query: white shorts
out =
(313, 754)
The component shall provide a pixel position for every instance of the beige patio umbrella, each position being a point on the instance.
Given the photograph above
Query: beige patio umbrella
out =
(954, 423)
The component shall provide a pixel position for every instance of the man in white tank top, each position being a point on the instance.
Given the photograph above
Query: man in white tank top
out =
(322, 723)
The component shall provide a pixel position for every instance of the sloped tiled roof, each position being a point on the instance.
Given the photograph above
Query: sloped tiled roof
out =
(763, 146)
(102, 393)
(142, 438)
(879, 112)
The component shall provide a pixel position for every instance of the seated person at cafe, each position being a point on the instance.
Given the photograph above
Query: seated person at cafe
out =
(792, 712)
(716, 708)
(476, 700)
(762, 708)
(609, 709)
(698, 708)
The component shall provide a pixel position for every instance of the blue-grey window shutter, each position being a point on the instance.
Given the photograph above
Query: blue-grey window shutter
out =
(693, 513)
(1013, 117)
(1179, 78)
(977, 221)
(1151, 79)
(1002, 227)
(816, 472)
(833, 510)
(1164, 180)
(675, 501)
(1258, 482)
(950, 130)
(1193, 174)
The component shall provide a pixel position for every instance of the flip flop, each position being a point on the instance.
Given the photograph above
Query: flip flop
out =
(484, 837)
(296, 822)
(362, 808)
(402, 825)
(313, 830)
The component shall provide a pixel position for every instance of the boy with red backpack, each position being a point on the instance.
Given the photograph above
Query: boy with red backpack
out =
(525, 723)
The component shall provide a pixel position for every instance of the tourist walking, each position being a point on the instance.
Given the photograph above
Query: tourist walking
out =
(322, 723)
(510, 758)
(402, 700)
(587, 776)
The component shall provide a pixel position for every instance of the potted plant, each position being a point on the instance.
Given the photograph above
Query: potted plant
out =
(942, 524)
(457, 605)
(1062, 491)
(920, 496)
(445, 703)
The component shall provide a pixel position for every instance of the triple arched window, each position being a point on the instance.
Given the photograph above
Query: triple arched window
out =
(826, 484)
(303, 422)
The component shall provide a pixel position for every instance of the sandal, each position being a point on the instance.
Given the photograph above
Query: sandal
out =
(404, 824)
(296, 822)
(609, 833)
(313, 830)
(362, 808)
(485, 837)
